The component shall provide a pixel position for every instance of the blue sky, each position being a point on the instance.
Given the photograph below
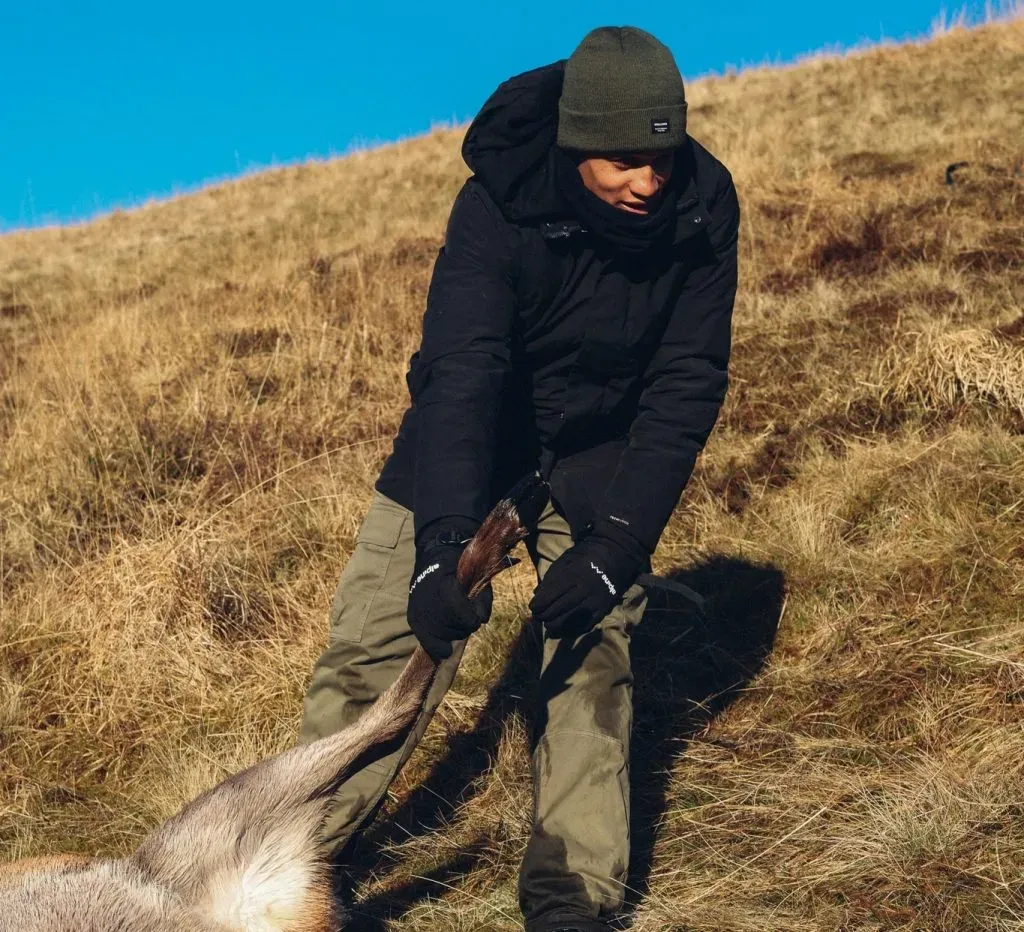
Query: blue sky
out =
(106, 104)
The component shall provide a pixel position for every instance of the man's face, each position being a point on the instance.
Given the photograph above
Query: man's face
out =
(633, 183)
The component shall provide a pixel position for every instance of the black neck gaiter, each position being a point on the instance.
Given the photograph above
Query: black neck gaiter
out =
(631, 235)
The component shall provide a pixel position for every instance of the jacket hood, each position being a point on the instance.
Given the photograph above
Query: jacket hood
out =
(510, 148)
(510, 145)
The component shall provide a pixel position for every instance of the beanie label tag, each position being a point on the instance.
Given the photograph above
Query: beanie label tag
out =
(659, 126)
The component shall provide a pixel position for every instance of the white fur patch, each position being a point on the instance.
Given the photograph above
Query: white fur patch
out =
(271, 893)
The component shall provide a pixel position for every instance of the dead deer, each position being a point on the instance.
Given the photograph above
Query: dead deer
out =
(244, 856)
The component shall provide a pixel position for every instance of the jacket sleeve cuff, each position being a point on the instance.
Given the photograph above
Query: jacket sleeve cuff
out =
(450, 524)
(608, 529)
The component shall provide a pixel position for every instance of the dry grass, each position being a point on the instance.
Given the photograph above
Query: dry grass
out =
(196, 396)
(946, 369)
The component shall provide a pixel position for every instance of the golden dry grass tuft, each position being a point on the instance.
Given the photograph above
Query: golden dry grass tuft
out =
(946, 369)
(195, 398)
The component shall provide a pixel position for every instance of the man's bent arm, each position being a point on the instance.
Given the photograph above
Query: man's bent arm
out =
(686, 382)
(464, 359)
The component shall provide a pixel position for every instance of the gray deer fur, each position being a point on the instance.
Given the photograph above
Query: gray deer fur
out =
(245, 855)
(242, 857)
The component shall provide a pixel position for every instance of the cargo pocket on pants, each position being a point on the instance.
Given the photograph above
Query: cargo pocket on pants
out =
(366, 572)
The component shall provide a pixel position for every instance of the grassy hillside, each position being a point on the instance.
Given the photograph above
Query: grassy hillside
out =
(195, 398)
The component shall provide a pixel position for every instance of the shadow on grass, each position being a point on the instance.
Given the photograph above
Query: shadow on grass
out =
(688, 666)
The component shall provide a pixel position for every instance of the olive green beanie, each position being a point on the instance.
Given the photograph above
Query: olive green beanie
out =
(622, 93)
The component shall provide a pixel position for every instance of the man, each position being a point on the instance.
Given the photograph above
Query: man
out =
(578, 322)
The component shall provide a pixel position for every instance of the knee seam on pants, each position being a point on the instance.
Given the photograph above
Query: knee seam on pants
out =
(581, 733)
(380, 768)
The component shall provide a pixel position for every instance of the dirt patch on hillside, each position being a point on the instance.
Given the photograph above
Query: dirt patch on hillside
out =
(14, 311)
(1013, 331)
(772, 466)
(873, 165)
(254, 341)
(1002, 251)
(415, 251)
(880, 240)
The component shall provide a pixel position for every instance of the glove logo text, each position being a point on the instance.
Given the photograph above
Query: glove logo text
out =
(604, 578)
(430, 569)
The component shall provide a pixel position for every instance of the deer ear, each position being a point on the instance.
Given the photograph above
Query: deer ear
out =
(246, 853)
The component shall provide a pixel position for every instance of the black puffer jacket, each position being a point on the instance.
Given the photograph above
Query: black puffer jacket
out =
(542, 348)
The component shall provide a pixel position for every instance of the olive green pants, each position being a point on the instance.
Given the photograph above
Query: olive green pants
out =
(578, 853)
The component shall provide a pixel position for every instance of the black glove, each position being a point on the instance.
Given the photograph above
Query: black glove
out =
(439, 610)
(587, 581)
